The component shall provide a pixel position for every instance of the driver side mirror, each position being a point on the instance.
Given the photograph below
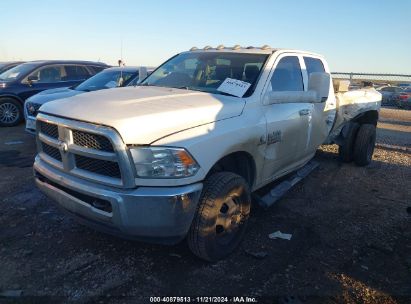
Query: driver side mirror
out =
(318, 90)
(32, 78)
(319, 83)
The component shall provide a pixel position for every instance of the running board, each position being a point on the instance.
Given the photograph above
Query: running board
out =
(279, 190)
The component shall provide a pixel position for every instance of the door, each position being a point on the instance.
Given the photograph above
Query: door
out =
(321, 118)
(286, 122)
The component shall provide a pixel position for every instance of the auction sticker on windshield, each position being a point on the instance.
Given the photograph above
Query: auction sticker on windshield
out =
(234, 87)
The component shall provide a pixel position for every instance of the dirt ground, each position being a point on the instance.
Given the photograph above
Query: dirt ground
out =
(351, 239)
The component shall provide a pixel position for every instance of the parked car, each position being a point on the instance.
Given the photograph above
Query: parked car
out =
(404, 85)
(4, 66)
(106, 79)
(403, 99)
(178, 156)
(27, 79)
(388, 94)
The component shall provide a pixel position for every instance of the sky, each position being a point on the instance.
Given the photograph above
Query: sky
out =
(355, 36)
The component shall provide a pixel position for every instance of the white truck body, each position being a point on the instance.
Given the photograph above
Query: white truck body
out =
(277, 131)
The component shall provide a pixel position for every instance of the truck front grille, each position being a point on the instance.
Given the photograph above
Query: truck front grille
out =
(92, 141)
(51, 151)
(102, 167)
(84, 150)
(49, 129)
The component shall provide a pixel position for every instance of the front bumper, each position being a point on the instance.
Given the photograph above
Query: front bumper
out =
(155, 214)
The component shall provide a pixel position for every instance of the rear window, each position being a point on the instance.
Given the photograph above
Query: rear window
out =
(313, 65)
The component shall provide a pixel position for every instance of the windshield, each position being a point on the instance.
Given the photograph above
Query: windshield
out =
(106, 80)
(206, 71)
(17, 71)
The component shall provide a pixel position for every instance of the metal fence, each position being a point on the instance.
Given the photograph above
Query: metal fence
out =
(390, 96)
(376, 79)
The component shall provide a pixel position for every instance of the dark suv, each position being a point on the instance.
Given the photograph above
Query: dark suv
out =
(25, 80)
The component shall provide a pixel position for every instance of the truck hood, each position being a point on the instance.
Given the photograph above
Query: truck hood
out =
(144, 114)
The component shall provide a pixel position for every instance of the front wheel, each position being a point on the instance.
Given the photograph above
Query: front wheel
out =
(346, 149)
(11, 112)
(364, 144)
(221, 217)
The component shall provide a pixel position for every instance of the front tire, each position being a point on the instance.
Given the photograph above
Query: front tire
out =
(364, 144)
(221, 217)
(11, 112)
(346, 149)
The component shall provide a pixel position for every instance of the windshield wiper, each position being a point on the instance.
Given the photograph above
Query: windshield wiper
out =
(226, 94)
(198, 90)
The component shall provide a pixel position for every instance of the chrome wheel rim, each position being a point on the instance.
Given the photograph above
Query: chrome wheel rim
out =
(9, 113)
(228, 220)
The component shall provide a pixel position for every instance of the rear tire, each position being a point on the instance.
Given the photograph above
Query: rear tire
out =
(364, 144)
(221, 217)
(11, 112)
(346, 149)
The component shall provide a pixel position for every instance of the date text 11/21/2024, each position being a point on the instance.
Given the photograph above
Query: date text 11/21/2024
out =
(205, 299)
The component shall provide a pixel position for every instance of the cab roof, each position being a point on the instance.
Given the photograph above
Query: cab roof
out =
(265, 49)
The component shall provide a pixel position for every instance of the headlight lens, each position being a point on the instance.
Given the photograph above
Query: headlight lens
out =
(162, 162)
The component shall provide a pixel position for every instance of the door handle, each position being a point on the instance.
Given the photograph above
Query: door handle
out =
(304, 112)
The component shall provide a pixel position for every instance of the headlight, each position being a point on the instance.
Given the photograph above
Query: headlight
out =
(31, 109)
(162, 162)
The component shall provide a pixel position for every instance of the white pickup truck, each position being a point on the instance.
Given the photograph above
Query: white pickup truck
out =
(179, 155)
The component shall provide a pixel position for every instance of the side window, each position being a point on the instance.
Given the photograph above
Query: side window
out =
(76, 72)
(95, 69)
(287, 75)
(49, 74)
(313, 65)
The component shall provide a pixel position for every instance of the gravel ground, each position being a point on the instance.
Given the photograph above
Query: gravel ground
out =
(351, 239)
